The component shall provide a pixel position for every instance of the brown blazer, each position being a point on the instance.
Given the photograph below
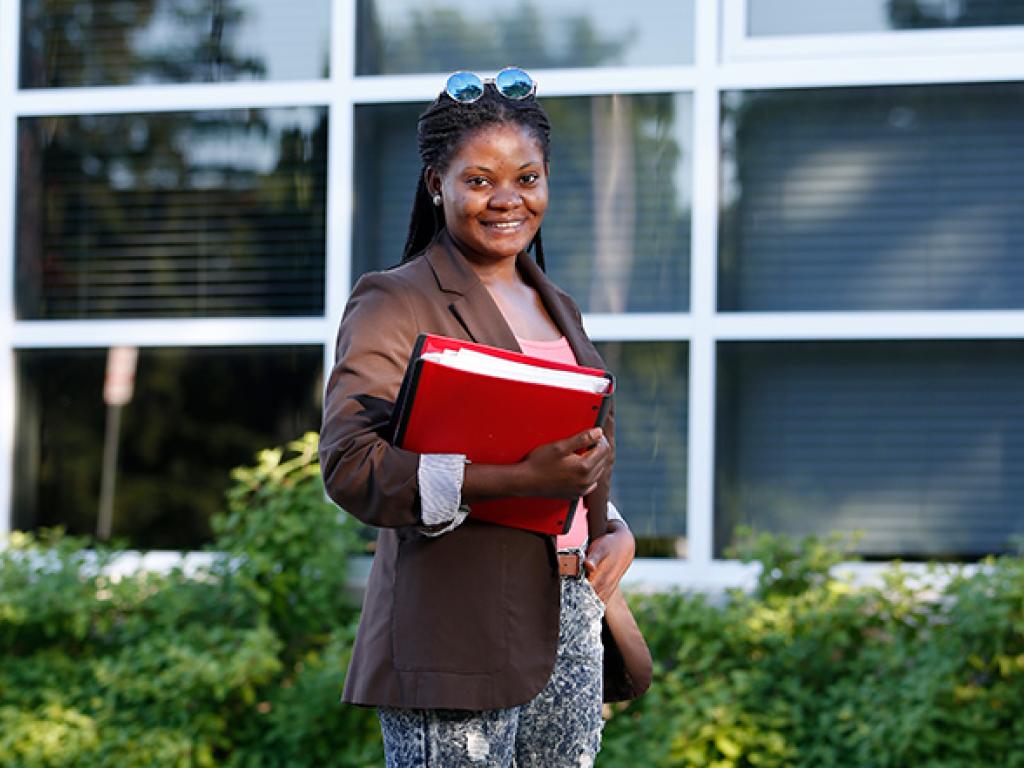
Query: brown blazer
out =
(469, 619)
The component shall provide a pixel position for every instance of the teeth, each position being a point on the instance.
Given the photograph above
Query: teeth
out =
(505, 225)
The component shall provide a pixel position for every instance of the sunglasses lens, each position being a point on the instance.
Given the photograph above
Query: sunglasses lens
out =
(465, 87)
(514, 83)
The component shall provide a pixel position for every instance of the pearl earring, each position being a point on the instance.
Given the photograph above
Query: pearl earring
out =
(437, 200)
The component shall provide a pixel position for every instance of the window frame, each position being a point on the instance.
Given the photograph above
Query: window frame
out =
(725, 59)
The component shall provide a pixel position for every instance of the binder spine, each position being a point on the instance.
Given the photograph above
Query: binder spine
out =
(400, 413)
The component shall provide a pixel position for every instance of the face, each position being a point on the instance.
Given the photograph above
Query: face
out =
(495, 191)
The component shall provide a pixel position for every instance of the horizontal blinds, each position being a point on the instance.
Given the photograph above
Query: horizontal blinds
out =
(617, 232)
(651, 421)
(874, 199)
(920, 445)
(172, 215)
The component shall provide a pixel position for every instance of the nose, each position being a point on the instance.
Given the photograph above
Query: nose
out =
(505, 199)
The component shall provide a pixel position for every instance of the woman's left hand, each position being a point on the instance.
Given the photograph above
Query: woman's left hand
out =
(608, 557)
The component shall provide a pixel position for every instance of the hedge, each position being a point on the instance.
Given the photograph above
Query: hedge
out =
(240, 663)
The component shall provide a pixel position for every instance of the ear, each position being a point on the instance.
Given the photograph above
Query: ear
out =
(433, 180)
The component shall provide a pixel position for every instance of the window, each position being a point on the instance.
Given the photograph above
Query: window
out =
(194, 214)
(800, 17)
(651, 427)
(873, 198)
(617, 230)
(917, 444)
(71, 43)
(405, 36)
(196, 413)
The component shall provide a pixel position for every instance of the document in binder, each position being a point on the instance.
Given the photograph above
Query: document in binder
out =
(495, 406)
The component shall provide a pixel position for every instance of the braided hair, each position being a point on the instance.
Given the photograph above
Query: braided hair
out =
(440, 131)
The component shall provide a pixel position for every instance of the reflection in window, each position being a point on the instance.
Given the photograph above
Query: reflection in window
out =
(73, 43)
(649, 481)
(194, 415)
(617, 229)
(808, 17)
(199, 214)
(409, 36)
(873, 198)
(920, 445)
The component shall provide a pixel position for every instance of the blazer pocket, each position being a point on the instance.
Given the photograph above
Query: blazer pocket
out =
(449, 608)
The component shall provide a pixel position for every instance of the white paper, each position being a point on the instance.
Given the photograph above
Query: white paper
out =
(478, 362)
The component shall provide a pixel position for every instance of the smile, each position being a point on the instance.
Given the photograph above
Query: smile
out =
(504, 226)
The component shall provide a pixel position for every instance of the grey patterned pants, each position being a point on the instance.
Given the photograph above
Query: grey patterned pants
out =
(560, 726)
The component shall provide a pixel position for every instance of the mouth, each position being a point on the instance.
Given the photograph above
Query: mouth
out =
(504, 226)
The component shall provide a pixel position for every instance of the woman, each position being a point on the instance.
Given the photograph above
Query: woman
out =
(479, 644)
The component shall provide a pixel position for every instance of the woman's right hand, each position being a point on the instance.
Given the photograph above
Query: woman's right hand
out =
(566, 468)
(563, 469)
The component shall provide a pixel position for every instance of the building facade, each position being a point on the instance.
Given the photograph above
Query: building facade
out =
(795, 228)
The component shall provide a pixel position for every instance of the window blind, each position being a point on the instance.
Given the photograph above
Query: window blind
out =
(206, 214)
(920, 445)
(873, 198)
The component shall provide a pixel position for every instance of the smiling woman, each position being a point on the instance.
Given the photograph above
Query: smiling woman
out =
(514, 668)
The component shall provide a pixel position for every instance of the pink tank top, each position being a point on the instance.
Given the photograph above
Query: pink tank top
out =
(559, 351)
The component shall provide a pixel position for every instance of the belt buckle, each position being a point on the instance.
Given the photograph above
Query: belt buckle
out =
(581, 572)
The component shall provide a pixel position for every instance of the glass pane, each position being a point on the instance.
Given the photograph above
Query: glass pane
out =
(809, 17)
(920, 445)
(72, 43)
(197, 214)
(410, 36)
(649, 486)
(195, 414)
(873, 198)
(617, 229)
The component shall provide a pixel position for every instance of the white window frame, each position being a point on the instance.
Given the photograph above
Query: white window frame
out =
(724, 60)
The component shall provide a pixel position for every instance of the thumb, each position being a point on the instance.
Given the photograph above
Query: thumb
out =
(592, 560)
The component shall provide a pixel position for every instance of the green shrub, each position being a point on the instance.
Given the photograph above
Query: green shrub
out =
(811, 671)
(237, 664)
(240, 664)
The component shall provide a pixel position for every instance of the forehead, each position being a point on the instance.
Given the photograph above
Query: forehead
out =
(503, 141)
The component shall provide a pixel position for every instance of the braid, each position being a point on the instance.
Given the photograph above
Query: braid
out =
(538, 251)
(441, 129)
(425, 221)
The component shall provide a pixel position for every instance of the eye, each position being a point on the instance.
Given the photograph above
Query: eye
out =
(529, 179)
(476, 181)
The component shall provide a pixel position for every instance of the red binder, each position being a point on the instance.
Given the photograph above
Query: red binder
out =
(494, 420)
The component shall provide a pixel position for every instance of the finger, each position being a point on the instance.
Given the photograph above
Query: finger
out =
(584, 440)
(595, 459)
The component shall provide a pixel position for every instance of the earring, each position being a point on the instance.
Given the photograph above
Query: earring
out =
(437, 200)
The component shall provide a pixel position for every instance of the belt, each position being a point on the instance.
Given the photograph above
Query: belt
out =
(571, 564)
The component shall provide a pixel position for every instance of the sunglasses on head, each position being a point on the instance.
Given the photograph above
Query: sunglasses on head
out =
(512, 83)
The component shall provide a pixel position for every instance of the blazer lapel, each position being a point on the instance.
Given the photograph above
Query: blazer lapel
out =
(471, 303)
(477, 313)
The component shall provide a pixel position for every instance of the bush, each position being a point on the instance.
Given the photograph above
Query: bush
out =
(810, 671)
(240, 664)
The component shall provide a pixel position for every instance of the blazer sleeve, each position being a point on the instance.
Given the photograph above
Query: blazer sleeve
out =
(362, 472)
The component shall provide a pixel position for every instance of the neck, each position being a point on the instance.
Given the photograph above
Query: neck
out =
(492, 270)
